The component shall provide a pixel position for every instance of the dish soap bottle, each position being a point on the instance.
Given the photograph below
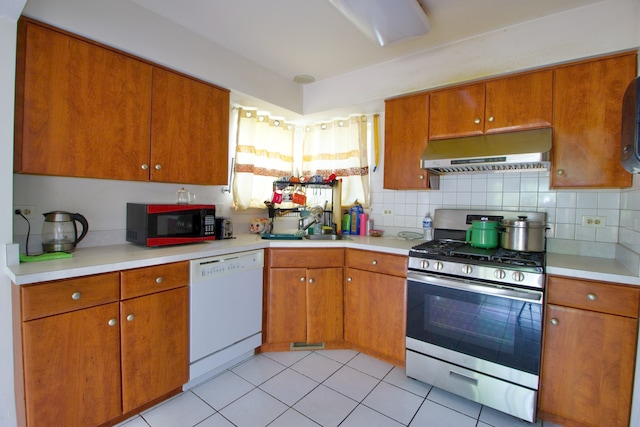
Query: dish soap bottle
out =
(427, 227)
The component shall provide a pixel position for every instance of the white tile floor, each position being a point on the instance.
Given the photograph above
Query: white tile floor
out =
(323, 387)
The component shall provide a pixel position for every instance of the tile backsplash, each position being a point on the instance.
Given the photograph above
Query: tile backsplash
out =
(403, 210)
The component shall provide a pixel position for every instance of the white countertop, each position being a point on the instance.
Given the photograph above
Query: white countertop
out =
(584, 267)
(103, 259)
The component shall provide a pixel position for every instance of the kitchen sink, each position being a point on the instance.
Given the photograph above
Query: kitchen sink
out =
(326, 237)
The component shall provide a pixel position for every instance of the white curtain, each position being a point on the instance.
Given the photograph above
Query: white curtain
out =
(339, 147)
(264, 153)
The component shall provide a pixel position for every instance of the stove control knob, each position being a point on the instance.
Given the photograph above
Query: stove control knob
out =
(438, 266)
(499, 274)
(467, 269)
(518, 276)
(424, 264)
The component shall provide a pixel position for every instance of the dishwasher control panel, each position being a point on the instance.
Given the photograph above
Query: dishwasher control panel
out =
(204, 268)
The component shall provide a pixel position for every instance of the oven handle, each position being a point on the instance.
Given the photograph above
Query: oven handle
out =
(505, 292)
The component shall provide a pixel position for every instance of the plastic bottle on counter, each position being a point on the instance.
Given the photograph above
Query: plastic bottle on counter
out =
(427, 227)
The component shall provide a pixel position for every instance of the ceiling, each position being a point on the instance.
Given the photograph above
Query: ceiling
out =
(310, 37)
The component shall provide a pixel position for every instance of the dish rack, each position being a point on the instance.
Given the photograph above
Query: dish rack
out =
(304, 200)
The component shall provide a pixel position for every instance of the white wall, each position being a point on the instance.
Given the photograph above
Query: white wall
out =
(610, 25)
(9, 12)
(607, 26)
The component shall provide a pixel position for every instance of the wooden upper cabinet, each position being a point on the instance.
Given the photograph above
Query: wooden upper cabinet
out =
(189, 130)
(518, 102)
(406, 133)
(81, 110)
(587, 120)
(86, 110)
(458, 111)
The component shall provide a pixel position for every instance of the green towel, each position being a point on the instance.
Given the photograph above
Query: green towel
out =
(44, 257)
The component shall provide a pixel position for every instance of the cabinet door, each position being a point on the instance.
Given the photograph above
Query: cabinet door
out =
(519, 102)
(155, 346)
(375, 313)
(72, 368)
(406, 133)
(286, 311)
(586, 124)
(190, 130)
(324, 305)
(81, 110)
(458, 111)
(587, 368)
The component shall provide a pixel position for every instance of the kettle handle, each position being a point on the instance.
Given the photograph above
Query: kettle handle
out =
(468, 235)
(85, 225)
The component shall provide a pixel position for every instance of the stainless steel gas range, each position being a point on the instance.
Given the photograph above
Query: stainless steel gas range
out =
(474, 315)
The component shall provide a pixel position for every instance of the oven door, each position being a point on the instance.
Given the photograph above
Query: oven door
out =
(475, 322)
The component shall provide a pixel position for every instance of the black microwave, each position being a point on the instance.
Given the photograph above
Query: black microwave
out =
(169, 224)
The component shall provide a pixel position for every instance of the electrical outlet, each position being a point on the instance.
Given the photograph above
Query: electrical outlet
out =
(594, 221)
(387, 212)
(28, 211)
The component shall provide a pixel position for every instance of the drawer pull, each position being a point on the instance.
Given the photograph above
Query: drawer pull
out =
(374, 262)
(76, 296)
(130, 317)
(554, 321)
(311, 280)
(159, 280)
(302, 279)
(592, 297)
(112, 322)
(349, 279)
(463, 377)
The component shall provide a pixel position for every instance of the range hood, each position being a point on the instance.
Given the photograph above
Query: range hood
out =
(523, 151)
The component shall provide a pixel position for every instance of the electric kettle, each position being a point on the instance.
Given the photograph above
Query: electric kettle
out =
(59, 231)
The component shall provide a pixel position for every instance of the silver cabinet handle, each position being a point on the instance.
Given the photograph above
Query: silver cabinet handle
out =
(374, 262)
(349, 279)
(560, 172)
(112, 322)
(491, 118)
(477, 121)
(421, 176)
(144, 166)
(130, 317)
(554, 321)
(76, 295)
(158, 167)
(159, 279)
(311, 280)
(302, 279)
(592, 297)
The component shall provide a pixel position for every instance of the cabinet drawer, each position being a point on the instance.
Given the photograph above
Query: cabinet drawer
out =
(49, 298)
(306, 258)
(596, 296)
(377, 262)
(149, 280)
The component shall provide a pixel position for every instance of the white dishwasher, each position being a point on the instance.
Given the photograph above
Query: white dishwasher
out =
(226, 311)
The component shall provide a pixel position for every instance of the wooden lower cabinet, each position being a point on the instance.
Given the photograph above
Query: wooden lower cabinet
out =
(375, 304)
(589, 353)
(87, 356)
(303, 300)
(304, 305)
(71, 367)
(155, 346)
(375, 314)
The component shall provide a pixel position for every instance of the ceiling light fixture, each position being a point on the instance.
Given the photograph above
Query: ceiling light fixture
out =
(385, 21)
(304, 79)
